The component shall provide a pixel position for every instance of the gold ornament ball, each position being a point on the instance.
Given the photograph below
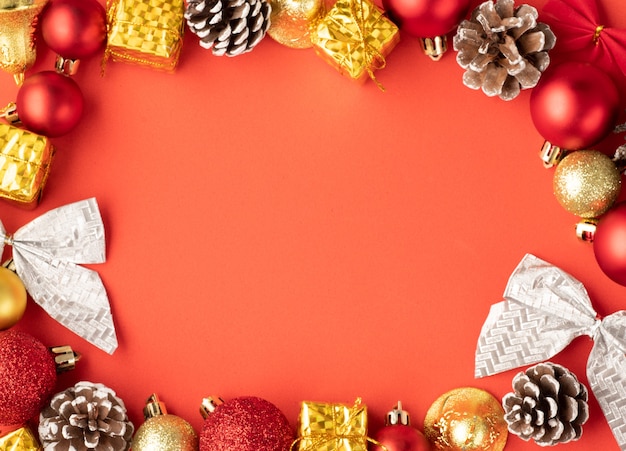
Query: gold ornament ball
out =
(291, 20)
(165, 433)
(12, 298)
(586, 183)
(466, 419)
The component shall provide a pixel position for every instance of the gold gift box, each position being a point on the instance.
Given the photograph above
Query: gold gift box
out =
(20, 440)
(25, 159)
(355, 37)
(146, 32)
(332, 427)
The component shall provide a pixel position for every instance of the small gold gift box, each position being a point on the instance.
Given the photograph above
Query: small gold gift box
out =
(332, 427)
(355, 37)
(146, 32)
(20, 440)
(25, 159)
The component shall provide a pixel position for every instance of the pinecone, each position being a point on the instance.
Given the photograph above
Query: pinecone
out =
(503, 48)
(548, 404)
(85, 417)
(228, 27)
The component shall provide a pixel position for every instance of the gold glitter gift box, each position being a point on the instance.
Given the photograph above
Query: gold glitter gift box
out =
(145, 32)
(355, 37)
(25, 159)
(332, 427)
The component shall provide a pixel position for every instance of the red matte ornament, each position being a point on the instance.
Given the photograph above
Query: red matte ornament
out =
(582, 34)
(244, 424)
(609, 243)
(27, 377)
(49, 103)
(74, 28)
(397, 435)
(574, 105)
(426, 18)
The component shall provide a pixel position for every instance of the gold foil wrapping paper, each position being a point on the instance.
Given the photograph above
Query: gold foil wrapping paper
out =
(20, 440)
(332, 427)
(25, 159)
(145, 32)
(355, 37)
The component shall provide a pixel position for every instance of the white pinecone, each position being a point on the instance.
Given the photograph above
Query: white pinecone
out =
(228, 27)
(548, 405)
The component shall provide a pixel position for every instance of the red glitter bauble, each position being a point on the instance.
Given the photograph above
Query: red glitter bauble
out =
(609, 243)
(27, 376)
(574, 105)
(427, 18)
(402, 438)
(49, 103)
(246, 424)
(74, 28)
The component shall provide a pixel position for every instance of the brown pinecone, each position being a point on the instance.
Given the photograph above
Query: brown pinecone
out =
(503, 48)
(228, 27)
(85, 417)
(548, 404)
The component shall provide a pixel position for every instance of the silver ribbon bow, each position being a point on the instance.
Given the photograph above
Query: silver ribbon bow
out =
(544, 309)
(46, 253)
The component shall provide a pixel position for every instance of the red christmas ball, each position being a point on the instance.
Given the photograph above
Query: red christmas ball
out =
(401, 437)
(49, 103)
(246, 424)
(609, 243)
(574, 105)
(426, 18)
(27, 377)
(74, 28)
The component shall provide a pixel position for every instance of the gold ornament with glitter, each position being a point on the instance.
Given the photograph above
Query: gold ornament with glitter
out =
(466, 419)
(163, 431)
(145, 32)
(586, 183)
(17, 47)
(291, 21)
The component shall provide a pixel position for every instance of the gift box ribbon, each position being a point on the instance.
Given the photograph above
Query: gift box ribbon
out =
(47, 253)
(544, 309)
(578, 28)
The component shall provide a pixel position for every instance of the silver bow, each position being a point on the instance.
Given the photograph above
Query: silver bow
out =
(544, 309)
(46, 253)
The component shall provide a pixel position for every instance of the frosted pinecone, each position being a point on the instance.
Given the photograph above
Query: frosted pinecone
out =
(228, 27)
(548, 405)
(503, 48)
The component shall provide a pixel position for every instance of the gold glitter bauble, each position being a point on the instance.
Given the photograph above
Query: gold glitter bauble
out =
(466, 419)
(12, 298)
(291, 20)
(165, 433)
(17, 49)
(586, 183)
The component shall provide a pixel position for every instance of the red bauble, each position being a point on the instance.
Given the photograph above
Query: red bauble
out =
(574, 105)
(27, 377)
(74, 28)
(609, 243)
(402, 438)
(246, 424)
(49, 103)
(427, 18)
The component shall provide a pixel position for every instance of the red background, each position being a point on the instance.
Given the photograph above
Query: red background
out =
(275, 229)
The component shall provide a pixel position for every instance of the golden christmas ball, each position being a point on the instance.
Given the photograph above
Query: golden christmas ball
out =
(165, 433)
(466, 419)
(12, 298)
(292, 19)
(586, 183)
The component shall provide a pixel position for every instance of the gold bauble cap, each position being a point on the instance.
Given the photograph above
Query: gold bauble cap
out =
(466, 419)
